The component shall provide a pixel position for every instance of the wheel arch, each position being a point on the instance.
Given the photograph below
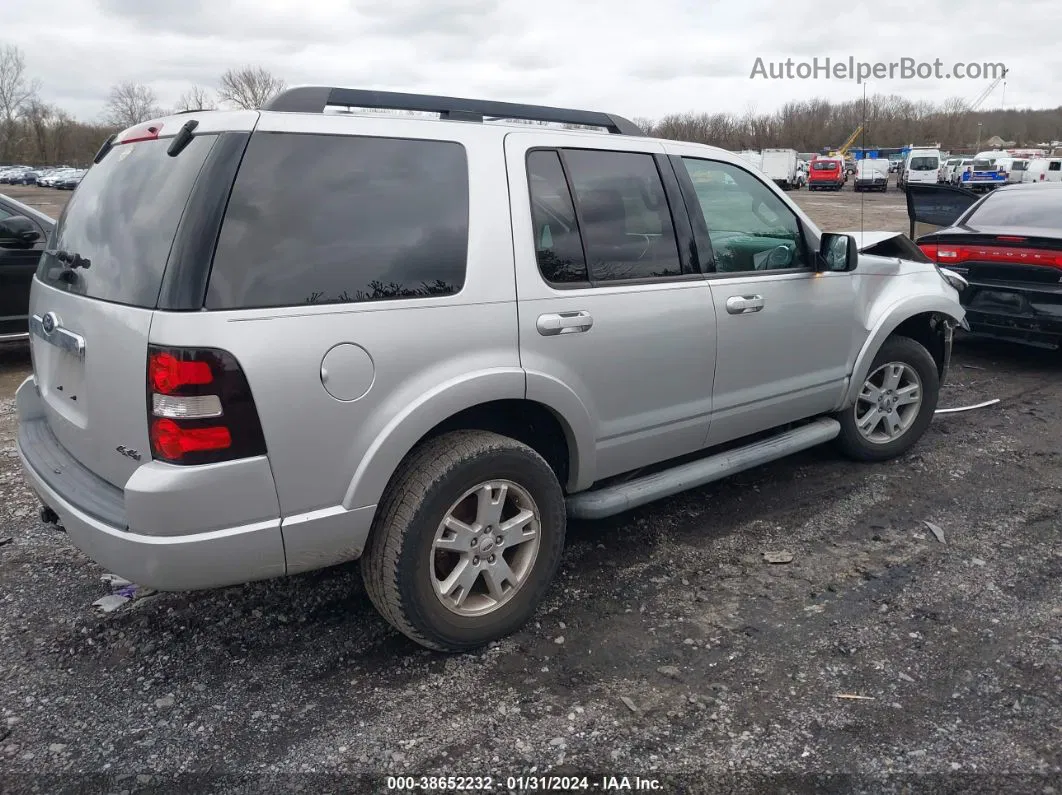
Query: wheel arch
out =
(556, 429)
(923, 319)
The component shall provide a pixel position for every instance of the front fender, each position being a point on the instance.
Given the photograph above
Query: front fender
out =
(887, 323)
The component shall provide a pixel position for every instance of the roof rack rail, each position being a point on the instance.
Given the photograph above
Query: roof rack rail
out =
(314, 99)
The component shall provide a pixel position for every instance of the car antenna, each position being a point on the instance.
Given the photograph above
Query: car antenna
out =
(863, 146)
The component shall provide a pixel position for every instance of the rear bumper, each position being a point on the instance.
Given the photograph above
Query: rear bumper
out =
(1028, 316)
(94, 515)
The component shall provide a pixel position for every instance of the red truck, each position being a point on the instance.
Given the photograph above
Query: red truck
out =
(826, 173)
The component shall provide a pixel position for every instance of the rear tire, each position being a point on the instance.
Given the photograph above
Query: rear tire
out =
(413, 555)
(898, 423)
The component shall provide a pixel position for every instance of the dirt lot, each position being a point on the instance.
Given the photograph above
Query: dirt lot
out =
(879, 659)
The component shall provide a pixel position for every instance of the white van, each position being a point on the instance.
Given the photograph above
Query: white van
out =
(1043, 169)
(922, 166)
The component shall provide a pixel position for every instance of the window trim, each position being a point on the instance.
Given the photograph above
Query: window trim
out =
(577, 285)
(669, 196)
(684, 178)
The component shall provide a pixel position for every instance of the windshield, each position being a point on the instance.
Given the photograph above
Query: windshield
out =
(924, 163)
(1038, 209)
(123, 218)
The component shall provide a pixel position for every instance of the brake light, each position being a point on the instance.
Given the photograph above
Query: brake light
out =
(200, 407)
(168, 373)
(174, 442)
(149, 133)
(953, 254)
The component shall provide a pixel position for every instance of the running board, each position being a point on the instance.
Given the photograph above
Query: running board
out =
(624, 496)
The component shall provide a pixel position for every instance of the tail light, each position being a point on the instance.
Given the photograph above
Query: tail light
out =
(955, 254)
(200, 407)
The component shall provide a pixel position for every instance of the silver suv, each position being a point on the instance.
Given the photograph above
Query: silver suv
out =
(268, 342)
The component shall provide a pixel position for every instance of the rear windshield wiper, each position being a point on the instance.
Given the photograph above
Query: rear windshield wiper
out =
(71, 261)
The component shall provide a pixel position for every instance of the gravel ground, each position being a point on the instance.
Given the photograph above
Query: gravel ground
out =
(878, 659)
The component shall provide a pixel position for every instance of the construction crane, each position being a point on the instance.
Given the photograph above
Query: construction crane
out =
(843, 151)
(984, 94)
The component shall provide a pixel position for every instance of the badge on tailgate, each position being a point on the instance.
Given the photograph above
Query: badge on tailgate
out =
(49, 327)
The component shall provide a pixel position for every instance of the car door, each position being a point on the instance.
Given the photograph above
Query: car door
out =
(615, 318)
(785, 333)
(17, 266)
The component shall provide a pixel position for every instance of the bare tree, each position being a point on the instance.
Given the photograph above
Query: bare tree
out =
(196, 98)
(249, 87)
(131, 103)
(16, 92)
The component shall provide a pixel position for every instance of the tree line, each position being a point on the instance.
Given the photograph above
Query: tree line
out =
(35, 132)
(887, 120)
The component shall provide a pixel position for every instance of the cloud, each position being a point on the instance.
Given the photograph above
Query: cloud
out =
(615, 55)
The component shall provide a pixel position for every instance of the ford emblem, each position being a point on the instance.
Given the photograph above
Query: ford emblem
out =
(50, 322)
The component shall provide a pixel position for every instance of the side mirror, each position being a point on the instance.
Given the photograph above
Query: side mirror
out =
(837, 253)
(18, 231)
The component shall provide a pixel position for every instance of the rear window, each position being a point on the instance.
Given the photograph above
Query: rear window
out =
(820, 165)
(123, 218)
(321, 219)
(927, 163)
(1038, 209)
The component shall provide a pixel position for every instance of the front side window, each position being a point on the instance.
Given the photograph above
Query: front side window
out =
(750, 227)
(320, 219)
(623, 215)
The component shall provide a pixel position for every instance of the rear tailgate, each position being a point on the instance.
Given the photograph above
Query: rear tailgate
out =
(97, 287)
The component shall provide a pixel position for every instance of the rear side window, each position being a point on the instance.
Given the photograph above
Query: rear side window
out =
(123, 218)
(558, 245)
(623, 214)
(319, 219)
(1055, 165)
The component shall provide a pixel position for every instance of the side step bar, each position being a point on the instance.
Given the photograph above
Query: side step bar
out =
(624, 496)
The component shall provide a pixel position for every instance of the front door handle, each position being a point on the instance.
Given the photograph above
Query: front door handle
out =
(743, 304)
(564, 323)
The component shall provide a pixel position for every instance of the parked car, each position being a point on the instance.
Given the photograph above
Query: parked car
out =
(987, 172)
(1018, 167)
(10, 175)
(1008, 246)
(52, 179)
(424, 343)
(70, 180)
(780, 165)
(947, 170)
(23, 234)
(964, 166)
(1043, 169)
(921, 166)
(826, 173)
(872, 174)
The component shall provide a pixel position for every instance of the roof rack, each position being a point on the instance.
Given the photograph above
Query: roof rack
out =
(314, 99)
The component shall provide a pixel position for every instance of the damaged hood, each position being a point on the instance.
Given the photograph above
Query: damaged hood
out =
(867, 240)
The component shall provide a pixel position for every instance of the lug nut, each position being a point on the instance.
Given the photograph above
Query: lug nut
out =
(500, 539)
(492, 558)
(475, 542)
(475, 561)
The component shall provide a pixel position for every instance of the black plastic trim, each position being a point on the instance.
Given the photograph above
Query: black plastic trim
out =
(184, 282)
(695, 215)
(314, 99)
(680, 216)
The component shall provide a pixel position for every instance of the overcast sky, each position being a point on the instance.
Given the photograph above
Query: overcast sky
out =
(636, 59)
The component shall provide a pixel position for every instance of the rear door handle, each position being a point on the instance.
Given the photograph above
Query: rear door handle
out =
(743, 304)
(564, 323)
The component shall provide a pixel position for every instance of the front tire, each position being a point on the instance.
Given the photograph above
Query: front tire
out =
(895, 404)
(466, 541)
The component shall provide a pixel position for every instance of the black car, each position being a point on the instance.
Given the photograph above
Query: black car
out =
(1008, 246)
(23, 235)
